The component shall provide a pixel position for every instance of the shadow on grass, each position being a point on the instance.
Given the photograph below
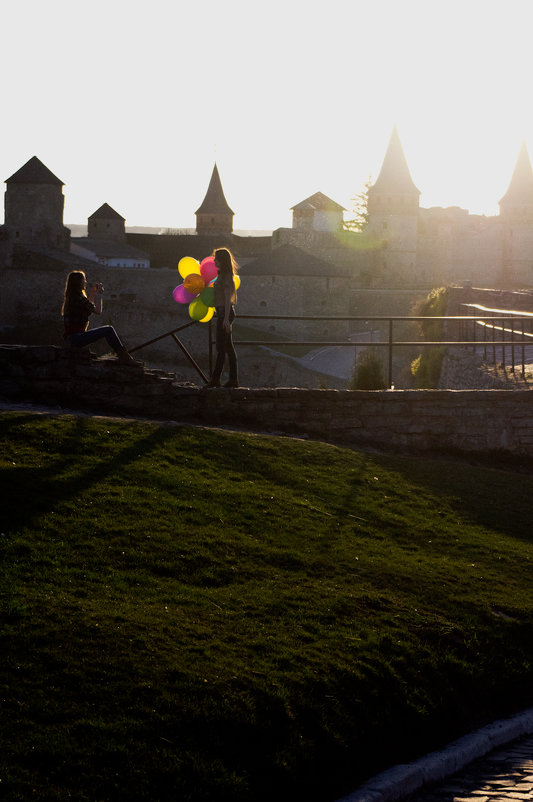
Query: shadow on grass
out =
(29, 493)
(489, 495)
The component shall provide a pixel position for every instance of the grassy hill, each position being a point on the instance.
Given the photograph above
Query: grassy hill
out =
(207, 615)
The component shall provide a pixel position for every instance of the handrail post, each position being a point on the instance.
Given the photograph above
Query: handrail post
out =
(390, 352)
(503, 345)
(193, 362)
(210, 346)
(523, 352)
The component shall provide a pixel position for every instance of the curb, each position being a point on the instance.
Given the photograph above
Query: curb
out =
(400, 781)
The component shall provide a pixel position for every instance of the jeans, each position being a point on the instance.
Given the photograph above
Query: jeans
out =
(224, 344)
(92, 335)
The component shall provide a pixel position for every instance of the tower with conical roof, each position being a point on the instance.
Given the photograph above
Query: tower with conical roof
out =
(34, 204)
(393, 204)
(517, 204)
(214, 215)
(516, 218)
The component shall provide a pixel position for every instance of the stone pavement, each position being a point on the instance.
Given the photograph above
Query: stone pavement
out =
(493, 764)
(505, 775)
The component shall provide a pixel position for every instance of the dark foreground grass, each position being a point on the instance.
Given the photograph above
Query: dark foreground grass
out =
(198, 615)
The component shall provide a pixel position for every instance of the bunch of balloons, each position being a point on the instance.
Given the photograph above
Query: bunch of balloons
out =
(197, 289)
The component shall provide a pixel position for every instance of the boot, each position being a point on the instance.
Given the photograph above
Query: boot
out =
(126, 359)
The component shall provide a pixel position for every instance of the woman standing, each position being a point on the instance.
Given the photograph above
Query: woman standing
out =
(76, 310)
(225, 300)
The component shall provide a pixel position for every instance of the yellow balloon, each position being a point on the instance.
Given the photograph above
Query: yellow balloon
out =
(188, 265)
(209, 315)
(236, 281)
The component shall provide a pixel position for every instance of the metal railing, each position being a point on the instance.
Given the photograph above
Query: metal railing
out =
(460, 331)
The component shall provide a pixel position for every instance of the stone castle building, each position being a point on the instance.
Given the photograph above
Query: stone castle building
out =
(446, 245)
(214, 215)
(317, 213)
(34, 203)
(403, 245)
(407, 245)
(315, 270)
(393, 207)
(106, 243)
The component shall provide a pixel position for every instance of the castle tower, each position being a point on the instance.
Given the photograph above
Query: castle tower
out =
(516, 217)
(317, 213)
(34, 204)
(393, 203)
(516, 206)
(214, 216)
(106, 223)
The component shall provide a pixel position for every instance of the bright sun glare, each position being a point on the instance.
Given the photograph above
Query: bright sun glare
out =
(126, 101)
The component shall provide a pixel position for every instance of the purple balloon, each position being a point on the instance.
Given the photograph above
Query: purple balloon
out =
(183, 296)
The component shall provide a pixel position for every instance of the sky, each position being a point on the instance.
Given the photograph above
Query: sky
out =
(131, 103)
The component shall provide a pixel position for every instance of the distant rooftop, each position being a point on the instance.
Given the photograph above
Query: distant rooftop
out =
(319, 203)
(34, 172)
(109, 248)
(105, 212)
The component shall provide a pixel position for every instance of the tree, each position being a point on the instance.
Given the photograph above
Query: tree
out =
(360, 209)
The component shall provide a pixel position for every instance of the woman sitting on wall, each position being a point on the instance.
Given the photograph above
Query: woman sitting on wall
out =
(76, 310)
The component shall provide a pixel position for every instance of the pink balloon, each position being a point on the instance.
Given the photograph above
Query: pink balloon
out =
(208, 269)
(182, 296)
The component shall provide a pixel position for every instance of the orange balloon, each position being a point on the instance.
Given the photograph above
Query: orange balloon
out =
(193, 283)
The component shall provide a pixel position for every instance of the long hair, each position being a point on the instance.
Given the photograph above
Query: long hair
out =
(226, 260)
(74, 286)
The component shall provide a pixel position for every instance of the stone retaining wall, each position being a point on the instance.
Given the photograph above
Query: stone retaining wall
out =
(411, 420)
(464, 370)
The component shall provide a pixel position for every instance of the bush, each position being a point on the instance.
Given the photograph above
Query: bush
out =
(368, 373)
(427, 366)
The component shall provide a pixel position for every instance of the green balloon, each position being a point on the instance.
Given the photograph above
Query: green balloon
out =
(197, 309)
(208, 296)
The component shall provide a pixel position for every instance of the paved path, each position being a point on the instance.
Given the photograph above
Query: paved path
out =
(493, 764)
(505, 775)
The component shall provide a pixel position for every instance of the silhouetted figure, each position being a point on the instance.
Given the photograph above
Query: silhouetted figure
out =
(225, 300)
(76, 310)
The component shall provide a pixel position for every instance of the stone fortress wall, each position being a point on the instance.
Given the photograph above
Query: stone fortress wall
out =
(343, 273)
(494, 422)
(139, 304)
